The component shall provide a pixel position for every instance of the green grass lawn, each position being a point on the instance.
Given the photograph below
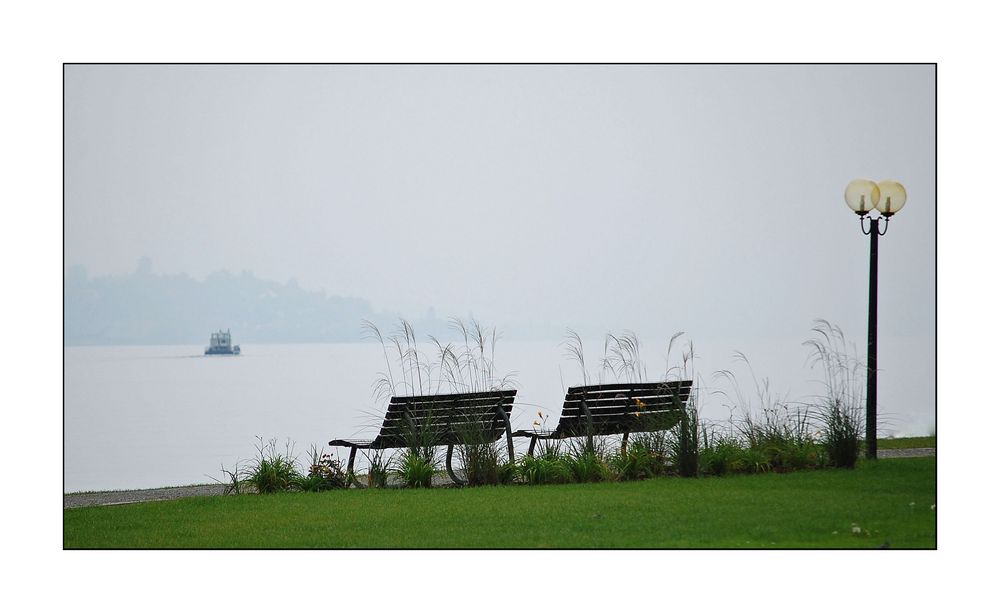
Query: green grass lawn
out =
(913, 442)
(805, 509)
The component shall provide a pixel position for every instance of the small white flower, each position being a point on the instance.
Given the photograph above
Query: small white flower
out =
(856, 529)
(913, 504)
(933, 506)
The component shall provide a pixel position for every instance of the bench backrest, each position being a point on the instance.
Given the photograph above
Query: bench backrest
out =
(616, 408)
(425, 421)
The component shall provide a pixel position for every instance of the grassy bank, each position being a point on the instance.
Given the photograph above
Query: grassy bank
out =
(805, 509)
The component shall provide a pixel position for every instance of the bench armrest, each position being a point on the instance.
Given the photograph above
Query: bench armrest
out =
(356, 443)
(533, 433)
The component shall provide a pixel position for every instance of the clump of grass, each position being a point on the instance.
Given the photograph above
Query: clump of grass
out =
(547, 466)
(842, 435)
(588, 468)
(507, 473)
(655, 442)
(724, 454)
(421, 435)
(415, 469)
(840, 408)
(684, 443)
(784, 434)
(773, 433)
(803, 455)
(482, 462)
(721, 455)
(378, 468)
(273, 471)
(756, 460)
(543, 470)
(647, 455)
(637, 462)
(587, 465)
(479, 449)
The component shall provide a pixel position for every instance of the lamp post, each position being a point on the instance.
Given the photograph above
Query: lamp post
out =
(886, 197)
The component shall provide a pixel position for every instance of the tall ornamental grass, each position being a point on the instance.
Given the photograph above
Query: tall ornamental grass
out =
(840, 409)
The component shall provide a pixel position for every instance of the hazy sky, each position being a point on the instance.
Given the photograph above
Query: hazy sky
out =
(707, 199)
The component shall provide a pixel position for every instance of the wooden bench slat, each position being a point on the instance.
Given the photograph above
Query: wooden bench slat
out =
(684, 391)
(626, 386)
(466, 428)
(625, 418)
(447, 404)
(610, 411)
(449, 397)
(680, 388)
(625, 404)
(445, 412)
(449, 409)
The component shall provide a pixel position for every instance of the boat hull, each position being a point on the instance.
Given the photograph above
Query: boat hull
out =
(222, 351)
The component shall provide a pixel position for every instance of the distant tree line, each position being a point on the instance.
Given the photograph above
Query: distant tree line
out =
(147, 308)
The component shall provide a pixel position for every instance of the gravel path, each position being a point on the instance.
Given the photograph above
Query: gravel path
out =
(100, 499)
(917, 452)
(93, 499)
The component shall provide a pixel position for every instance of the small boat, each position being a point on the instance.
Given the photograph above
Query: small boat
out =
(221, 343)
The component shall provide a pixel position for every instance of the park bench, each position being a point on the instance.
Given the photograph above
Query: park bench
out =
(616, 408)
(420, 422)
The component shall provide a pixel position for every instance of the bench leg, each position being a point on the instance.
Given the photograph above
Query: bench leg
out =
(624, 442)
(350, 466)
(447, 465)
(510, 438)
(350, 460)
(531, 446)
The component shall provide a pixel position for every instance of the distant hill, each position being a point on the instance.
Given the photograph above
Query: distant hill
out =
(148, 308)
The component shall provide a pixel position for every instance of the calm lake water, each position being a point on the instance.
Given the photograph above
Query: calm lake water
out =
(137, 417)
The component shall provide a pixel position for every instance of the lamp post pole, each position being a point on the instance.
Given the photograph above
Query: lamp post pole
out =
(887, 197)
(871, 440)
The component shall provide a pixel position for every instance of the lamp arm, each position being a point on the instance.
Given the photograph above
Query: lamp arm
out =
(881, 231)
